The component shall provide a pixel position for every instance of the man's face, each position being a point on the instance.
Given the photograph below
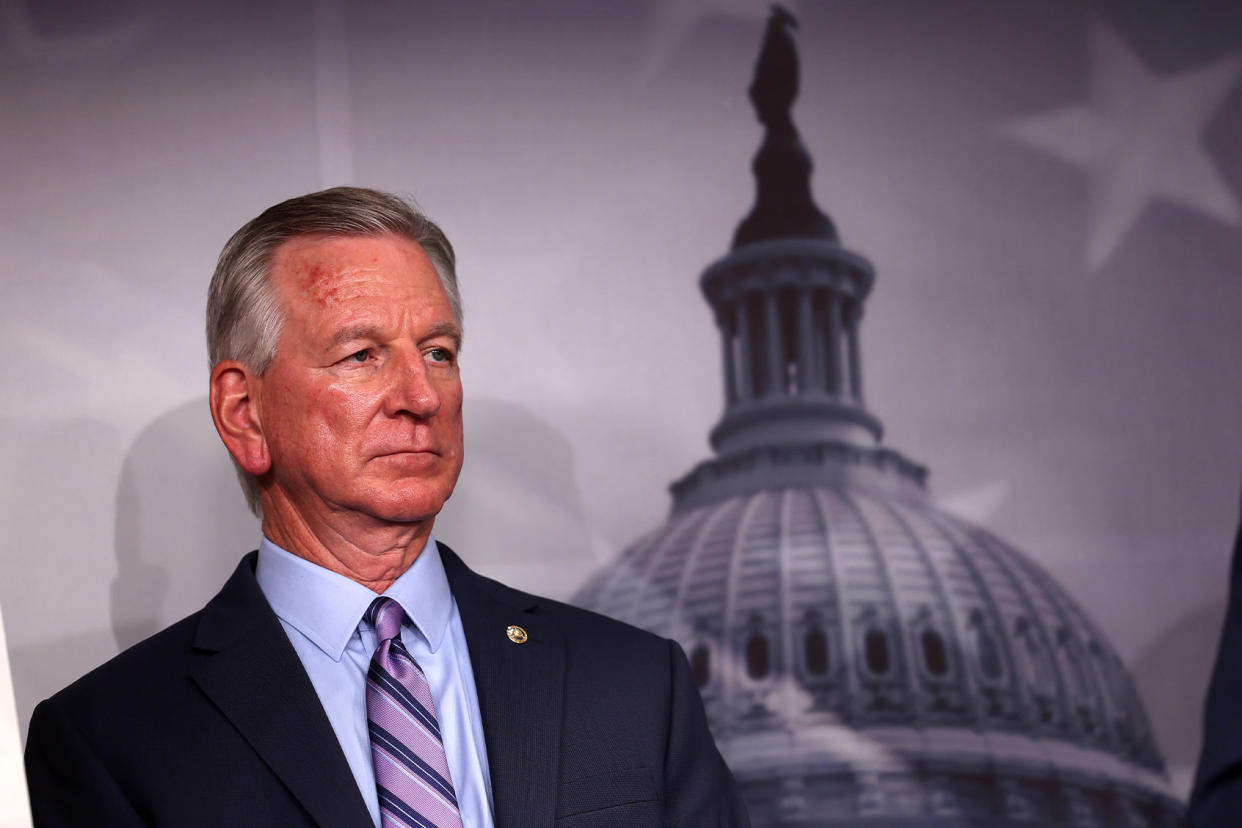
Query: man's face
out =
(361, 407)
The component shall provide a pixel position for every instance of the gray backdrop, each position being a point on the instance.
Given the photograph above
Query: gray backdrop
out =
(1050, 192)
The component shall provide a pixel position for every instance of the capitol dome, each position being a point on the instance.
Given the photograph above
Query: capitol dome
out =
(865, 658)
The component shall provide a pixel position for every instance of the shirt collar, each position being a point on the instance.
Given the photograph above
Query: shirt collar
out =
(326, 607)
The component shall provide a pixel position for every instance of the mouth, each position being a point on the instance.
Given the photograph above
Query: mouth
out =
(406, 453)
(408, 462)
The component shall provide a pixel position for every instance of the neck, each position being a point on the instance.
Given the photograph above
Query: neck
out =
(365, 550)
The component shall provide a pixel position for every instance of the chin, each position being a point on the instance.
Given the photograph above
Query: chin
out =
(407, 507)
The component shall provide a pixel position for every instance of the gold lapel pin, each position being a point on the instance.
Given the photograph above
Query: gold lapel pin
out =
(516, 634)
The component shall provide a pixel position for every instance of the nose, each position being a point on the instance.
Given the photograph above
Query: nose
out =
(411, 389)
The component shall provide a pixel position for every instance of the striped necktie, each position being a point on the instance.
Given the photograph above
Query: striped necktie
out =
(411, 770)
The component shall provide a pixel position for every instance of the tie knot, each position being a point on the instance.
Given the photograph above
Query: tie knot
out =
(385, 615)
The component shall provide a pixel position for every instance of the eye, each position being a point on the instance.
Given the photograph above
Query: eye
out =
(441, 355)
(359, 356)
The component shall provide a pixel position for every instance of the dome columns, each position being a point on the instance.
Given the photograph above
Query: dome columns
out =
(806, 343)
(839, 361)
(788, 311)
(809, 379)
(777, 368)
(851, 321)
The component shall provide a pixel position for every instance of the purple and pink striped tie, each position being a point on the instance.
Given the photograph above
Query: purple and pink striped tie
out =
(411, 770)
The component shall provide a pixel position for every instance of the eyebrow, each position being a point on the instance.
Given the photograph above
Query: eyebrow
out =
(450, 329)
(350, 333)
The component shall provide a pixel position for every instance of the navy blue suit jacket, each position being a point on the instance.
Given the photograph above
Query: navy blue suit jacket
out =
(214, 722)
(1216, 799)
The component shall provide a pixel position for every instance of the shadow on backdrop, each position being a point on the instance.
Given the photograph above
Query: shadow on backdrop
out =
(181, 523)
(517, 513)
(59, 462)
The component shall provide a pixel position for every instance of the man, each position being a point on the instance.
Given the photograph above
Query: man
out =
(296, 696)
(1216, 799)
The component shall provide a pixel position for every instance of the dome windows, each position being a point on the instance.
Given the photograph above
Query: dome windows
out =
(758, 659)
(701, 664)
(986, 648)
(876, 656)
(755, 654)
(933, 650)
(815, 652)
(935, 656)
(812, 645)
(700, 653)
(875, 644)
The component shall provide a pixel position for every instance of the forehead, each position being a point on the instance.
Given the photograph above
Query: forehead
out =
(315, 275)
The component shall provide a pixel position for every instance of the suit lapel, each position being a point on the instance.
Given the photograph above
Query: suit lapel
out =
(520, 689)
(251, 672)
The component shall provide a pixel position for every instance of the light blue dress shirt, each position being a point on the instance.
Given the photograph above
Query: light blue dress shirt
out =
(322, 611)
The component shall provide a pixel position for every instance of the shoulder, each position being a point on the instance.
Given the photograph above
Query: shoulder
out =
(144, 664)
(99, 720)
(157, 668)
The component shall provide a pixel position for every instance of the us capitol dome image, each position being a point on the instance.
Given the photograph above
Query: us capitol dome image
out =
(865, 658)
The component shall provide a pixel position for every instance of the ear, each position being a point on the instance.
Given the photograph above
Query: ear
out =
(233, 409)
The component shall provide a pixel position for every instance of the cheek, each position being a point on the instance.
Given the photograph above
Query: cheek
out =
(340, 415)
(450, 392)
(316, 422)
(450, 409)
(457, 437)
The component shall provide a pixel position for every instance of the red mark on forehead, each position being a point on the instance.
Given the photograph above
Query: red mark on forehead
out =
(325, 286)
(308, 277)
(331, 275)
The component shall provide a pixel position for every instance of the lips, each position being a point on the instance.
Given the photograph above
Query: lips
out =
(407, 452)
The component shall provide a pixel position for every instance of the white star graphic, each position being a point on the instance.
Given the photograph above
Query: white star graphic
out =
(1138, 138)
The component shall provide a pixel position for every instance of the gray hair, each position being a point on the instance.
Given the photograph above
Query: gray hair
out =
(244, 314)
